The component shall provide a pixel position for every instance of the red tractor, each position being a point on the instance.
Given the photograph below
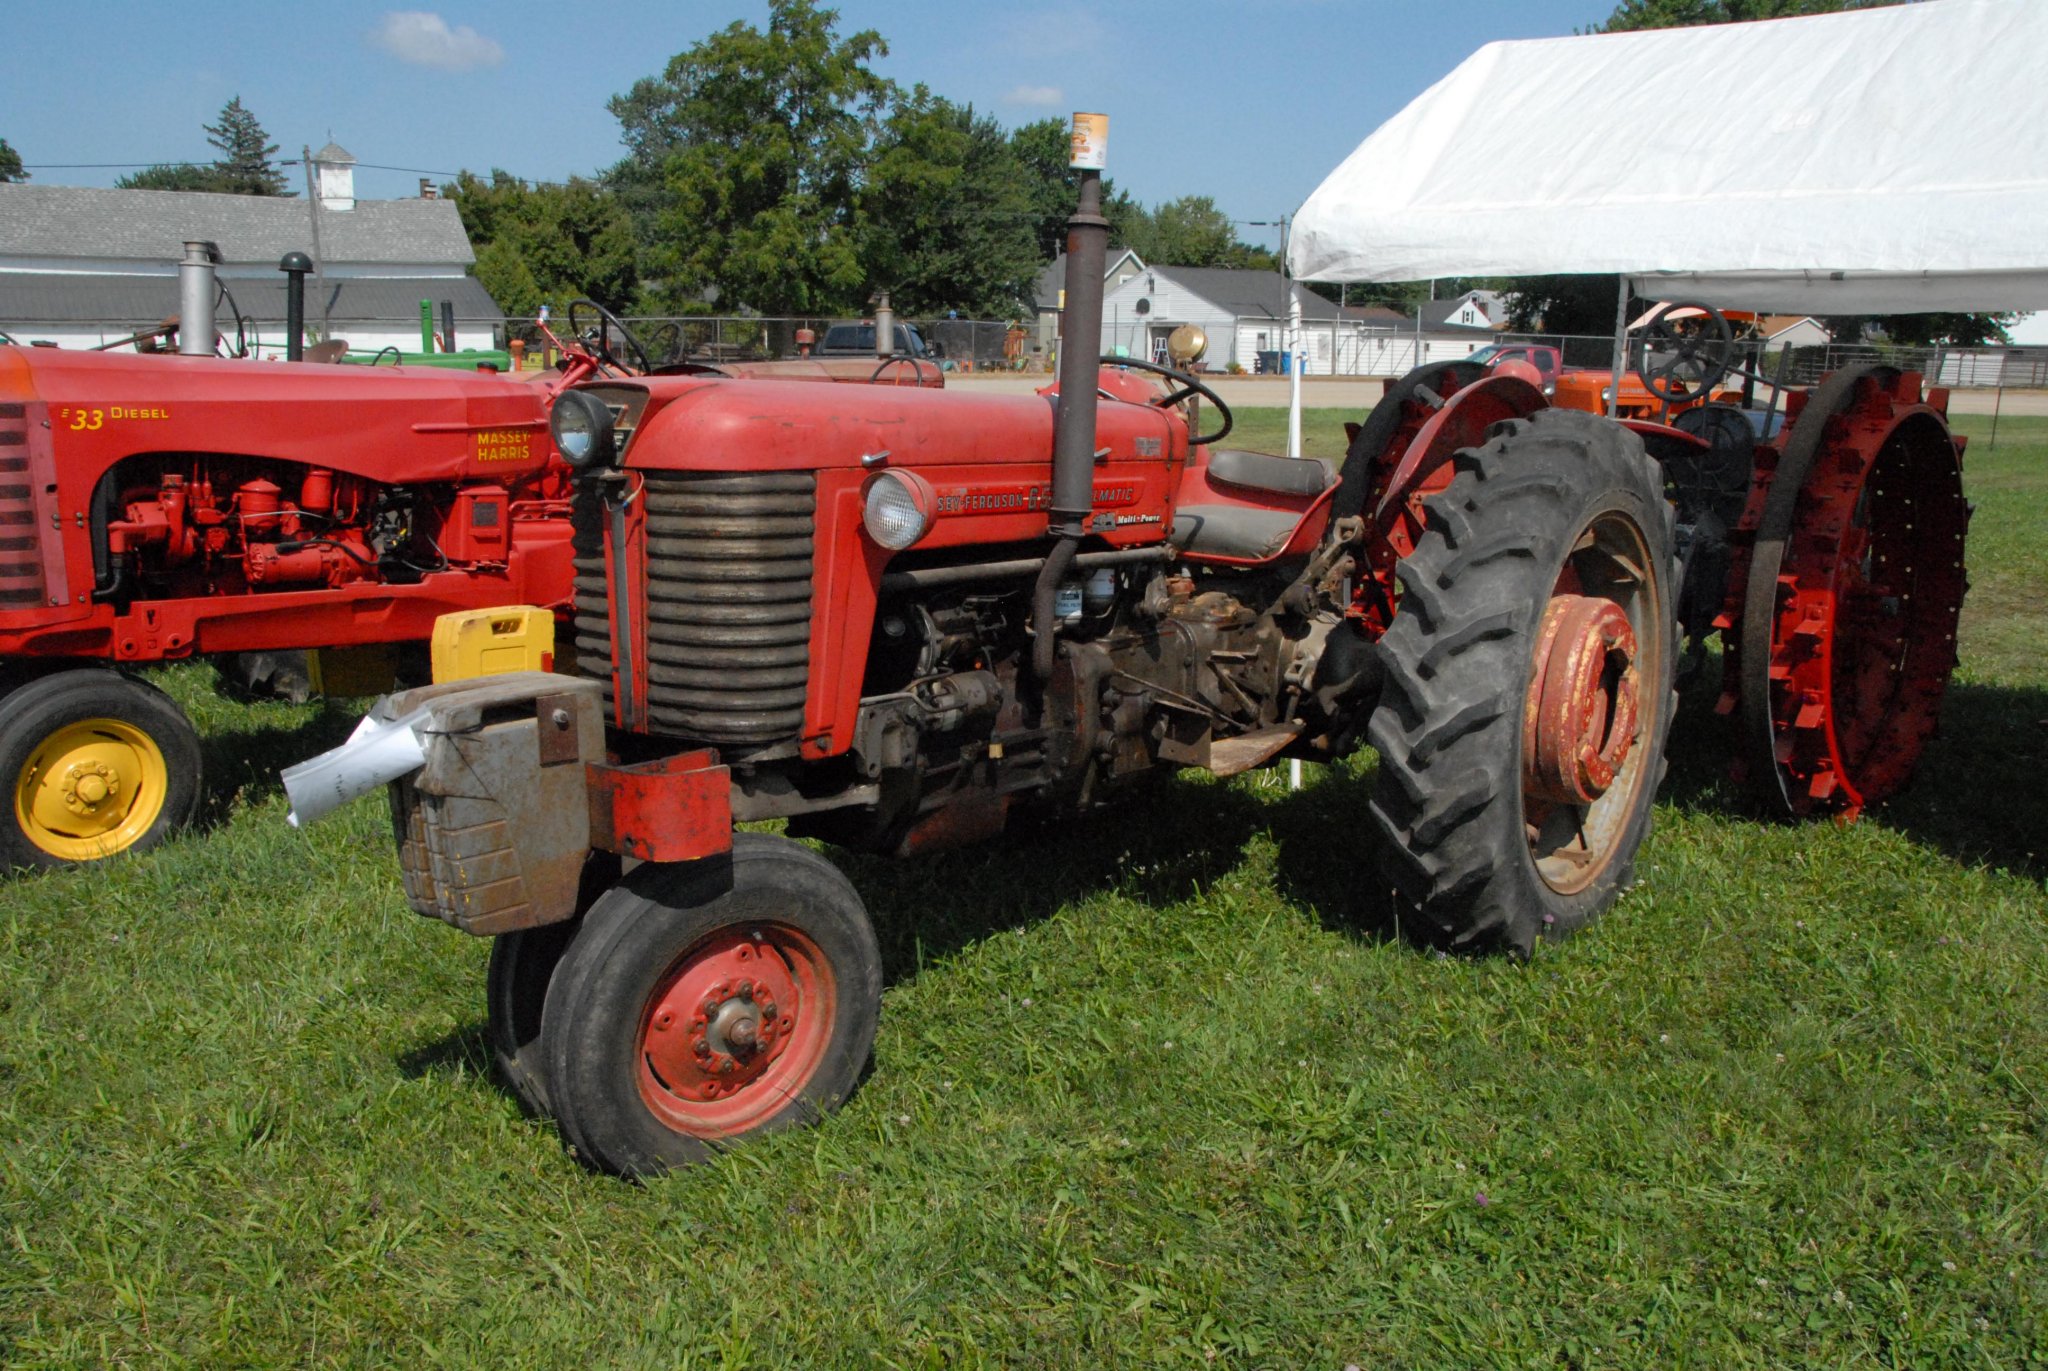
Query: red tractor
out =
(159, 508)
(155, 509)
(165, 507)
(902, 619)
(1822, 536)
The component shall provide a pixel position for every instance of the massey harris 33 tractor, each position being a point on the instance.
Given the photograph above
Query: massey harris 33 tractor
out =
(901, 619)
(157, 508)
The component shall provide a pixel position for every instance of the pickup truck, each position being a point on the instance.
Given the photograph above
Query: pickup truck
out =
(1548, 361)
(858, 340)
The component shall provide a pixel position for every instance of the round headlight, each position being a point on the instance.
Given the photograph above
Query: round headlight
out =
(899, 509)
(581, 426)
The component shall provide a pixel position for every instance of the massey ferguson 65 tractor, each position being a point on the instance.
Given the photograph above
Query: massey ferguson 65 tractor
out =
(900, 619)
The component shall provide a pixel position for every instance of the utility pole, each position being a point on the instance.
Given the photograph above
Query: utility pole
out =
(313, 209)
(1295, 352)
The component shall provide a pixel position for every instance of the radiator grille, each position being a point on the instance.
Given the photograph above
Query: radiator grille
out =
(21, 563)
(728, 571)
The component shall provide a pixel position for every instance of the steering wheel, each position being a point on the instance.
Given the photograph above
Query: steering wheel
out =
(1682, 366)
(592, 323)
(916, 364)
(665, 343)
(378, 356)
(1189, 387)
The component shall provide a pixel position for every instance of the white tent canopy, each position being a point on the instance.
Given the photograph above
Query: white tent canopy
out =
(1879, 161)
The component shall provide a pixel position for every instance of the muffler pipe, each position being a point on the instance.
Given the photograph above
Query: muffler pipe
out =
(195, 299)
(1073, 436)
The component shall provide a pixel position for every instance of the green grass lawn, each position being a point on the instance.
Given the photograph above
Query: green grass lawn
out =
(1148, 1092)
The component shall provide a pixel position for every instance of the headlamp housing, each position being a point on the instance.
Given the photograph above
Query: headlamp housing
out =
(581, 425)
(898, 509)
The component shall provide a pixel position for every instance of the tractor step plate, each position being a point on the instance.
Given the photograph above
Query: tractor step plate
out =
(1229, 756)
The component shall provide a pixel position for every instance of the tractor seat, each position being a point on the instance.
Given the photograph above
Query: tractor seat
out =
(1263, 471)
(1244, 532)
(1233, 530)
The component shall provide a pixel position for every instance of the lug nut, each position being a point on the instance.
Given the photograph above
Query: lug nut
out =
(701, 1048)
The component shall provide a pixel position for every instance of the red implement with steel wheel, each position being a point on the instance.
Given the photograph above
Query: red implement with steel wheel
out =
(1854, 587)
(735, 1030)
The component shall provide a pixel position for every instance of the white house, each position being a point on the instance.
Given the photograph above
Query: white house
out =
(1793, 331)
(1376, 340)
(1049, 292)
(83, 266)
(1243, 312)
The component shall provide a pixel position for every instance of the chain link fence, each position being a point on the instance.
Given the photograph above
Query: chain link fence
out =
(2012, 367)
(1013, 345)
(958, 344)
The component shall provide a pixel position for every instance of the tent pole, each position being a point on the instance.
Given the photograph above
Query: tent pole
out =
(1298, 354)
(1620, 352)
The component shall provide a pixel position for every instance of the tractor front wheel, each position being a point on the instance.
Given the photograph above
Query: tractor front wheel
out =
(707, 1001)
(1528, 692)
(516, 988)
(96, 764)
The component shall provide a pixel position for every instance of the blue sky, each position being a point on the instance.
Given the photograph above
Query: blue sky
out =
(1251, 103)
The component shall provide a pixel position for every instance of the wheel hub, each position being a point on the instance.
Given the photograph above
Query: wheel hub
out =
(722, 1021)
(87, 785)
(1579, 721)
(93, 788)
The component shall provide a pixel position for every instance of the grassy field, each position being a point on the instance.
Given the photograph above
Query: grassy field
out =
(1149, 1092)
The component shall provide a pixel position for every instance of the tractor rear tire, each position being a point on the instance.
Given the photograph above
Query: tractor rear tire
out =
(707, 1001)
(95, 764)
(1556, 514)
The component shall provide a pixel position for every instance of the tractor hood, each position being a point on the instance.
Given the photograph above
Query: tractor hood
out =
(709, 424)
(448, 425)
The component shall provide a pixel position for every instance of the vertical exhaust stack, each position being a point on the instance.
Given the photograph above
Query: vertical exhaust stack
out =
(195, 299)
(295, 265)
(1073, 438)
(1073, 443)
(885, 327)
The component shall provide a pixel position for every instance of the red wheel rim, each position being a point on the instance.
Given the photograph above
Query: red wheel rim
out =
(734, 1029)
(1587, 707)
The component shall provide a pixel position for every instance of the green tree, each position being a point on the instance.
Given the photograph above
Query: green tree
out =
(10, 163)
(1565, 304)
(244, 165)
(547, 244)
(1671, 14)
(1192, 232)
(760, 140)
(945, 220)
(1041, 149)
(174, 176)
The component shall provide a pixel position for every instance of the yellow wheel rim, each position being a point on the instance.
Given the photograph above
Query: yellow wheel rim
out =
(93, 788)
